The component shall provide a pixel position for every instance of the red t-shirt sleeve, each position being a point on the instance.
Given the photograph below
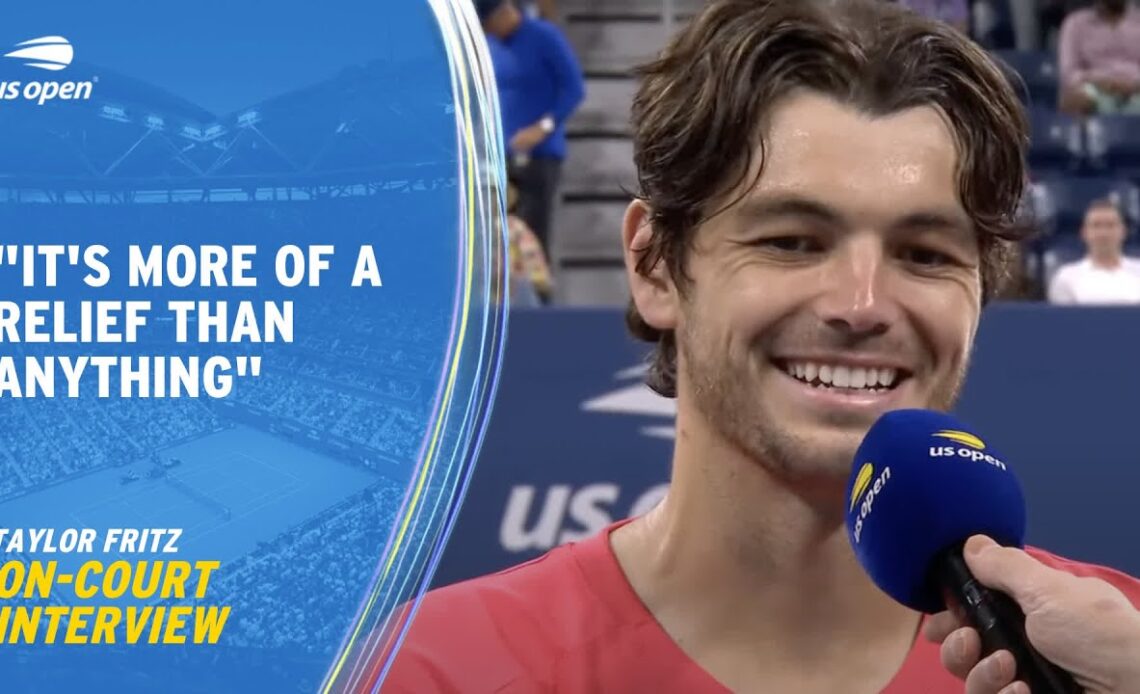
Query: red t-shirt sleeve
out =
(437, 657)
(565, 622)
(412, 673)
(484, 635)
(1123, 582)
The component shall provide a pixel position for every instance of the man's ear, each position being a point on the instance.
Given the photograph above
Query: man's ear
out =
(654, 294)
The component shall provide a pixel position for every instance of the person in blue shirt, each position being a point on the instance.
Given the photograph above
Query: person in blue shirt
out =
(540, 85)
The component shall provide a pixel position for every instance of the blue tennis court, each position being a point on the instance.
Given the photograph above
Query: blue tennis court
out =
(229, 491)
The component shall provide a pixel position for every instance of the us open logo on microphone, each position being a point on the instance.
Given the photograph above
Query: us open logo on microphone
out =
(972, 448)
(52, 54)
(867, 491)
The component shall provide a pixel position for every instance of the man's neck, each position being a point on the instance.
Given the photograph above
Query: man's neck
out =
(745, 571)
(1106, 261)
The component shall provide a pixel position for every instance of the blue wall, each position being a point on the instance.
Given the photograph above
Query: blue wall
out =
(575, 442)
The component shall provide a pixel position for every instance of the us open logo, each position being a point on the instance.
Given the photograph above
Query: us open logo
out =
(866, 489)
(963, 437)
(970, 446)
(50, 53)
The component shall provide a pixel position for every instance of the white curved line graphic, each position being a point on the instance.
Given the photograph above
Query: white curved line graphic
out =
(43, 39)
(48, 53)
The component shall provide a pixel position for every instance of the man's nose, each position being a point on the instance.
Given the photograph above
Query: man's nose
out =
(858, 299)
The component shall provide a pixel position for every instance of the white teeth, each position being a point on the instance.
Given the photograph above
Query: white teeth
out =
(840, 376)
(887, 377)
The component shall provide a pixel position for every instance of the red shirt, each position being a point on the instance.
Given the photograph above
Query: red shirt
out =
(570, 622)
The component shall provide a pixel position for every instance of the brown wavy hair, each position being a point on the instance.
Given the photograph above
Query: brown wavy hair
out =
(701, 107)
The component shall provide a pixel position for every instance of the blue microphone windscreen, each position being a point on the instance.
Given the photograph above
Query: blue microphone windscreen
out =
(922, 481)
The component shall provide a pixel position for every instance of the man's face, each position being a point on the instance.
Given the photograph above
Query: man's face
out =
(845, 284)
(500, 21)
(1103, 231)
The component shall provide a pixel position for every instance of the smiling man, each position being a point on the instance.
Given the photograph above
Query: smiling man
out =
(846, 282)
(828, 196)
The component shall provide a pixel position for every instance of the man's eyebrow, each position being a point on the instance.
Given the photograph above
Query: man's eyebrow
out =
(770, 207)
(934, 219)
(767, 208)
(950, 225)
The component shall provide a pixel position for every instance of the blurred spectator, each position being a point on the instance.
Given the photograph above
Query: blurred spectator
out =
(546, 9)
(953, 12)
(1099, 59)
(530, 273)
(540, 86)
(1104, 275)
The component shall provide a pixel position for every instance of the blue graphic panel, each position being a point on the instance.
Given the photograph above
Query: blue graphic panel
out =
(248, 333)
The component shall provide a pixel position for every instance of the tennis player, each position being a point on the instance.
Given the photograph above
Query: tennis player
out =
(827, 199)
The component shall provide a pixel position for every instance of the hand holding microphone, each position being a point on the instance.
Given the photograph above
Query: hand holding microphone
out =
(1083, 625)
(922, 485)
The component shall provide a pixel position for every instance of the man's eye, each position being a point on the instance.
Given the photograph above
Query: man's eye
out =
(927, 257)
(791, 244)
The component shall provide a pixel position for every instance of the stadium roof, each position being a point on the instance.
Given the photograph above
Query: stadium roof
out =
(131, 130)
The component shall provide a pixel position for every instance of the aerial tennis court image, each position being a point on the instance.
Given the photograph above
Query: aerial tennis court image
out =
(229, 490)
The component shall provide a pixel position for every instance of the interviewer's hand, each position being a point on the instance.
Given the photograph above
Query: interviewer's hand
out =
(1083, 625)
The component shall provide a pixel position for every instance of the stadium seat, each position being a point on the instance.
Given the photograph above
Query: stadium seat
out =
(1060, 203)
(600, 165)
(604, 8)
(1056, 144)
(582, 286)
(614, 46)
(1114, 144)
(590, 229)
(605, 109)
(1038, 70)
(992, 22)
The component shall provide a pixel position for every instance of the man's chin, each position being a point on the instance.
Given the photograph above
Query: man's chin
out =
(815, 454)
(832, 428)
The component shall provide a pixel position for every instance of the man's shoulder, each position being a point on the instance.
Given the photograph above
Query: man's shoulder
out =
(487, 628)
(1069, 272)
(545, 28)
(523, 587)
(536, 23)
(506, 628)
(1079, 17)
(1126, 584)
(1072, 267)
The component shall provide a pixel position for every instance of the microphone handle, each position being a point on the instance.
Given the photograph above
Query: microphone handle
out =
(1000, 622)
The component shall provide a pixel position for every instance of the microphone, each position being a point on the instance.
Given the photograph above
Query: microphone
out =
(922, 483)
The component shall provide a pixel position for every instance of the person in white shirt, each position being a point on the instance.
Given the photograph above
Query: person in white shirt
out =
(1105, 275)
